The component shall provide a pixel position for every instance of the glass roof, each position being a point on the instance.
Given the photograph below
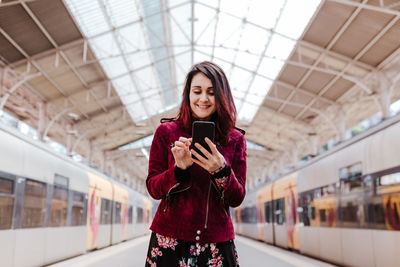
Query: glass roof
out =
(147, 47)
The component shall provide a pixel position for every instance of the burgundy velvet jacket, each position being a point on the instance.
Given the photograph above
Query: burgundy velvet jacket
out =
(195, 209)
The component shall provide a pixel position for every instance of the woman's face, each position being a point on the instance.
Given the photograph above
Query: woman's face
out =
(201, 96)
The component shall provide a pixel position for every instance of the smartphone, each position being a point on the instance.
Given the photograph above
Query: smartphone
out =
(201, 130)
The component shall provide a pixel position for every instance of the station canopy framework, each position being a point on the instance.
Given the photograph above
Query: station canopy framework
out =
(95, 75)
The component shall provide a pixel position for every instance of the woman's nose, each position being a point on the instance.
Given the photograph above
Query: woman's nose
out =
(203, 97)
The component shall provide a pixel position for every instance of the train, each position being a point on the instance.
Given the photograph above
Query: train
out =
(53, 208)
(342, 207)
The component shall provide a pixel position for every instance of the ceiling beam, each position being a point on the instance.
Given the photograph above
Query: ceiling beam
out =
(366, 6)
(45, 74)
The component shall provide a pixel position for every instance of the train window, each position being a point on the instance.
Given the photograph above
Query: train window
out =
(279, 210)
(317, 193)
(322, 215)
(328, 190)
(6, 212)
(375, 216)
(348, 212)
(34, 204)
(386, 181)
(390, 179)
(59, 205)
(78, 209)
(105, 211)
(139, 217)
(6, 186)
(313, 213)
(306, 210)
(367, 180)
(6, 203)
(130, 215)
(61, 180)
(351, 171)
(249, 215)
(268, 211)
(354, 185)
(117, 209)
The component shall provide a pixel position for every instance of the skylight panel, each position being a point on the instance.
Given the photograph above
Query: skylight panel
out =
(143, 142)
(247, 60)
(136, 111)
(207, 50)
(89, 16)
(138, 60)
(131, 98)
(181, 27)
(265, 13)
(146, 79)
(280, 47)
(104, 46)
(114, 66)
(205, 24)
(199, 57)
(238, 95)
(240, 79)
(177, 2)
(251, 145)
(154, 104)
(225, 53)
(183, 65)
(247, 111)
(131, 38)
(259, 88)
(270, 67)
(254, 39)
(122, 12)
(229, 31)
(293, 22)
(123, 85)
(237, 8)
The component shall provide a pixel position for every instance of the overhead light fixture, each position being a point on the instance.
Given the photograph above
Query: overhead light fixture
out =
(141, 132)
(74, 115)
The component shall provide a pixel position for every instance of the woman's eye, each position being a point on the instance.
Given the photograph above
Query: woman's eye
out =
(197, 92)
(211, 93)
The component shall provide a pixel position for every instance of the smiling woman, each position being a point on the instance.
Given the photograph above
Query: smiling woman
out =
(192, 226)
(202, 99)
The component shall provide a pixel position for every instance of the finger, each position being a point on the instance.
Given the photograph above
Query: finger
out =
(198, 156)
(185, 141)
(211, 145)
(203, 150)
(179, 144)
(198, 162)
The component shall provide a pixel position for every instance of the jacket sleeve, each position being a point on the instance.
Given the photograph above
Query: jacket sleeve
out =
(161, 177)
(236, 188)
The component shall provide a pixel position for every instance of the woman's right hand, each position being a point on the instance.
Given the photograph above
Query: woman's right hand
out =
(181, 153)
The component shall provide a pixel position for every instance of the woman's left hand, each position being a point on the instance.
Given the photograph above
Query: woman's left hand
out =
(212, 161)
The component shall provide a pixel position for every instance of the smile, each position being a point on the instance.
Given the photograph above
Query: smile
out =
(203, 106)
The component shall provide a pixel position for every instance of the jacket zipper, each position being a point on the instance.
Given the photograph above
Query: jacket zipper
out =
(222, 195)
(208, 200)
(169, 193)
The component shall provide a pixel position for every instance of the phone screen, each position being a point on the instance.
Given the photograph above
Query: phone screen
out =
(201, 130)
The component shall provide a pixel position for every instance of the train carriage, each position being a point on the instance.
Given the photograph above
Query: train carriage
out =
(342, 207)
(52, 208)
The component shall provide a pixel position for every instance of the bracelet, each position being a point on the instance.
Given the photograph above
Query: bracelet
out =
(219, 169)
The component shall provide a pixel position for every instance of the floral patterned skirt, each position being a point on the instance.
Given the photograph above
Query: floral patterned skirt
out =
(169, 252)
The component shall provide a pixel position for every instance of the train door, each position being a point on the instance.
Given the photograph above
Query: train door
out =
(285, 212)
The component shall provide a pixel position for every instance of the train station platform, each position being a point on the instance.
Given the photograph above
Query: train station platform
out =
(132, 254)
